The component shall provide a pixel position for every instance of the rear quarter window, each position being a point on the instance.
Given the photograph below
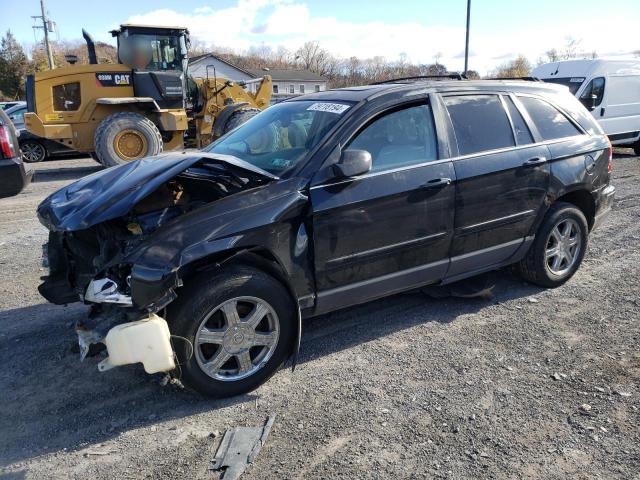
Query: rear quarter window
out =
(551, 122)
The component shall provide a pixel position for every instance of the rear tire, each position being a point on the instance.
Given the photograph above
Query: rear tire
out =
(126, 136)
(33, 152)
(222, 362)
(558, 249)
(636, 148)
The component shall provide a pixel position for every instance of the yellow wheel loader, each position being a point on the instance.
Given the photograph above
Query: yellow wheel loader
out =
(141, 106)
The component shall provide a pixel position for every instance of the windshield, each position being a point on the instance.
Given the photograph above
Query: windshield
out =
(279, 138)
(150, 52)
(572, 82)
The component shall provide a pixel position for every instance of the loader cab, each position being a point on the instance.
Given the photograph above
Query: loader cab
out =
(158, 58)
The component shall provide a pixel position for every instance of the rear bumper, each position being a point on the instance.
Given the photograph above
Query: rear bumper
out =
(14, 176)
(604, 202)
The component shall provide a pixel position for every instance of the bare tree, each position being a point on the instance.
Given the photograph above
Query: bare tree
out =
(519, 67)
(473, 75)
(552, 55)
(313, 57)
(571, 48)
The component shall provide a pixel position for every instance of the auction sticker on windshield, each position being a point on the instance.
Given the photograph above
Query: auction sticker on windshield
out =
(328, 107)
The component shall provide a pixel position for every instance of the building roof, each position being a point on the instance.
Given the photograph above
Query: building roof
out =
(282, 75)
(199, 58)
(288, 75)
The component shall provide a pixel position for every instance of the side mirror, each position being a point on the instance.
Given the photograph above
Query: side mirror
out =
(353, 163)
(591, 101)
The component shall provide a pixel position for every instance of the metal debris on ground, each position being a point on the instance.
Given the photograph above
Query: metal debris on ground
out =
(239, 448)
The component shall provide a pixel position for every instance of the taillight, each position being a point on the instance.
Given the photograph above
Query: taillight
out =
(6, 146)
(610, 164)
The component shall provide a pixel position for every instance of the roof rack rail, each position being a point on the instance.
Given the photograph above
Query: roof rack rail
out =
(528, 79)
(451, 76)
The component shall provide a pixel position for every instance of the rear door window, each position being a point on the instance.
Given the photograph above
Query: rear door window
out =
(551, 123)
(480, 123)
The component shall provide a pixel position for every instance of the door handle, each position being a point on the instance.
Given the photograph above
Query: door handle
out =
(437, 182)
(535, 161)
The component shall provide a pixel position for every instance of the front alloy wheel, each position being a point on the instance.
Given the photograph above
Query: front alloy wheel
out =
(237, 338)
(232, 329)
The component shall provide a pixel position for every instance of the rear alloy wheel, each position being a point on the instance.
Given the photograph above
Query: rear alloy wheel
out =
(232, 330)
(563, 247)
(33, 152)
(559, 247)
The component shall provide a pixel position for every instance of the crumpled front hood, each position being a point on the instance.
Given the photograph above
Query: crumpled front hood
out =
(113, 192)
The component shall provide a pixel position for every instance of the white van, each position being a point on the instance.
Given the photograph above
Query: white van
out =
(610, 89)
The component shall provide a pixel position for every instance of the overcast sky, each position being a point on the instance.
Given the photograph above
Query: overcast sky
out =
(420, 29)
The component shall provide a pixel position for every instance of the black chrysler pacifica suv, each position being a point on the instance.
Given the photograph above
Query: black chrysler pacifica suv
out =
(325, 201)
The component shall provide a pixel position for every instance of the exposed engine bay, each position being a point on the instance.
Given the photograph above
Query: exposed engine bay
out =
(90, 264)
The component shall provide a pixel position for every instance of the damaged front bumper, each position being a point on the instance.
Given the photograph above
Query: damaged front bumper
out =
(105, 290)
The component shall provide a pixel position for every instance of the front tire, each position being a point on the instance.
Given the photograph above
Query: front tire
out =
(239, 117)
(33, 151)
(239, 325)
(558, 249)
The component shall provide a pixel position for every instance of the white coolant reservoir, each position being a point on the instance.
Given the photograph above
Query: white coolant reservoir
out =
(145, 341)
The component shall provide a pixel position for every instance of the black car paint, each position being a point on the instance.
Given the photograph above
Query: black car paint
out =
(339, 242)
(111, 193)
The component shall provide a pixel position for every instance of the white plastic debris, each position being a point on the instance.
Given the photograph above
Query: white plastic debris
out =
(145, 341)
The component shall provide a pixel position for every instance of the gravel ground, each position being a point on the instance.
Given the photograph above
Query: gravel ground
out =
(531, 384)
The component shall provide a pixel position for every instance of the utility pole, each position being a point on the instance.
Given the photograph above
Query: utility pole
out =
(45, 28)
(466, 44)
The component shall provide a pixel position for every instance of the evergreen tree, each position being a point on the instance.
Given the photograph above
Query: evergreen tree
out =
(13, 67)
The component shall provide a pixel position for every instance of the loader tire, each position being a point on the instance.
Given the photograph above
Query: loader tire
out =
(265, 140)
(238, 117)
(126, 136)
